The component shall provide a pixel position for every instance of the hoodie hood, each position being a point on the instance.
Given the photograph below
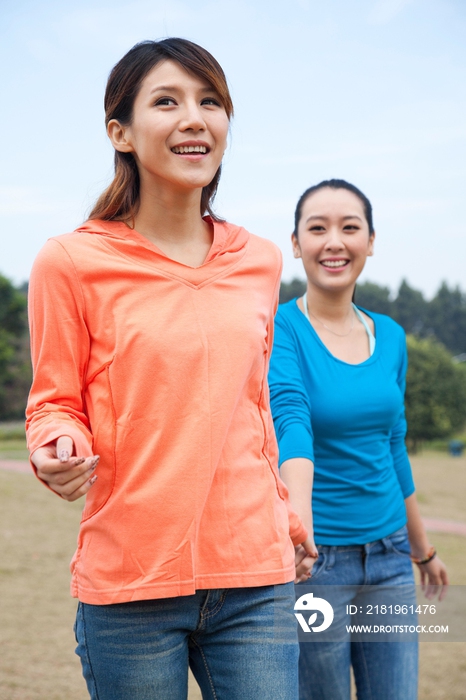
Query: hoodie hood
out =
(228, 239)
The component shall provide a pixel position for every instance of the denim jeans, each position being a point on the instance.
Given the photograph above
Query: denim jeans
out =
(229, 637)
(382, 670)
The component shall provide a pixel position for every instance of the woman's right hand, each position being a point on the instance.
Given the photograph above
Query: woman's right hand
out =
(306, 555)
(70, 477)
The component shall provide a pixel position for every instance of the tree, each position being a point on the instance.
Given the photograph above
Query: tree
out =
(447, 318)
(12, 308)
(435, 392)
(373, 297)
(290, 290)
(410, 309)
(15, 366)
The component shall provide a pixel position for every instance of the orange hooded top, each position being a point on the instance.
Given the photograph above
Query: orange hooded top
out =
(161, 369)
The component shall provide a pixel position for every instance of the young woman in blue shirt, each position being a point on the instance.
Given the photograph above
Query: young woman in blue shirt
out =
(337, 381)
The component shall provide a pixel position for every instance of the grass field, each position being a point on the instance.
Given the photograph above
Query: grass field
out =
(37, 538)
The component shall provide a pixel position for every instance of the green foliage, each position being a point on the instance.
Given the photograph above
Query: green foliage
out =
(435, 392)
(410, 309)
(290, 290)
(12, 308)
(447, 318)
(373, 298)
(443, 317)
(15, 366)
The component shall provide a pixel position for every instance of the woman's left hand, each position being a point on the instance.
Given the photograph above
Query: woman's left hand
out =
(434, 578)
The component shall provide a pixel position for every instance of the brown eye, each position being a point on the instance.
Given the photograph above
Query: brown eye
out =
(165, 101)
(211, 101)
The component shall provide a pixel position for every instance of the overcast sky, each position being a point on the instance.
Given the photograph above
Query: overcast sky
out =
(372, 91)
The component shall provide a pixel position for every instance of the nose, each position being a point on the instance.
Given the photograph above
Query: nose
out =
(192, 118)
(334, 240)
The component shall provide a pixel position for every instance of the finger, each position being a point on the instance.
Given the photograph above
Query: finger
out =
(310, 548)
(443, 591)
(54, 471)
(302, 578)
(423, 580)
(433, 586)
(47, 467)
(64, 448)
(444, 577)
(303, 570)
(81, 490)
(69, 489)
(308, 562)
(301, 574)
(300, 554)
(68, 480)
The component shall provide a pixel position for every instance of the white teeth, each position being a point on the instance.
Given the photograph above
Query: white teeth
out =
(189, 149)
(334, 263)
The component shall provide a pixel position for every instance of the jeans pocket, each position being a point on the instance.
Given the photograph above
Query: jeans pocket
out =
(319, 565)
(400, 543)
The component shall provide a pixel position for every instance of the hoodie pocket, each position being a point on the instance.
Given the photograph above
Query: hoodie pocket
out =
(102, 417)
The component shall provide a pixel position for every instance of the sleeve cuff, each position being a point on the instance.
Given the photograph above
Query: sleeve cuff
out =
(42, 435)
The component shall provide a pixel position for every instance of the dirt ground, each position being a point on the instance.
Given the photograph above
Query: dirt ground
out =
(37, 539)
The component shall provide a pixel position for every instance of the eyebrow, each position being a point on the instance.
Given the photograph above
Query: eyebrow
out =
(174, 88)
(317, 216)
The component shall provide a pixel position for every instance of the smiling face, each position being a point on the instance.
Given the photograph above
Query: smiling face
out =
(178, 130)
(333, 239)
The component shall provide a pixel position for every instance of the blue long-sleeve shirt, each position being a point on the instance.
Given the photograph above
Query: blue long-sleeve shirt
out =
(349, 420)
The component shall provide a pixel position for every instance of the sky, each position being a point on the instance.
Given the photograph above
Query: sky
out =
(372, 91)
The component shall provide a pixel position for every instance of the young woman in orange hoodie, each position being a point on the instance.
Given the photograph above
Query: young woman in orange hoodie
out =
(151, 331)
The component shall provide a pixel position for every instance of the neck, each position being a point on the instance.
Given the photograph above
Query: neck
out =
(332, 306)
(171, 217)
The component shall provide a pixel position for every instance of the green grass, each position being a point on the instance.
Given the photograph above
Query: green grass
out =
(37, 539)
(442, 444)
(12, 430)
(13, 441)
(13, 449)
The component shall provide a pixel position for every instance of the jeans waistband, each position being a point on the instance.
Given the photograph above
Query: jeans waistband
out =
(385, 541)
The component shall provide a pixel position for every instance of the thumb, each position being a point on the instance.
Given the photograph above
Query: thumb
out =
(64, 448)
(310, 548)
(423, 580)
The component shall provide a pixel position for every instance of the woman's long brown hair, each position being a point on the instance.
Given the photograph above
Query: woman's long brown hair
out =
(121, 199)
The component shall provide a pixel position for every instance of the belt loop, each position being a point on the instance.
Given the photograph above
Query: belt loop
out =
(331, 557)
(387, 543)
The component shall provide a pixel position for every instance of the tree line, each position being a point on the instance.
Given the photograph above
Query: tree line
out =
(442, 318)
(15, 364)
(436, 384)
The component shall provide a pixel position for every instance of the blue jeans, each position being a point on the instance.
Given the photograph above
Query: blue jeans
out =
(382, 670)
(241, 644)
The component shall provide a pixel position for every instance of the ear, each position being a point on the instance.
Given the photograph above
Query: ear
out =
(295, 246)
(370, 250)
(119, 136)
